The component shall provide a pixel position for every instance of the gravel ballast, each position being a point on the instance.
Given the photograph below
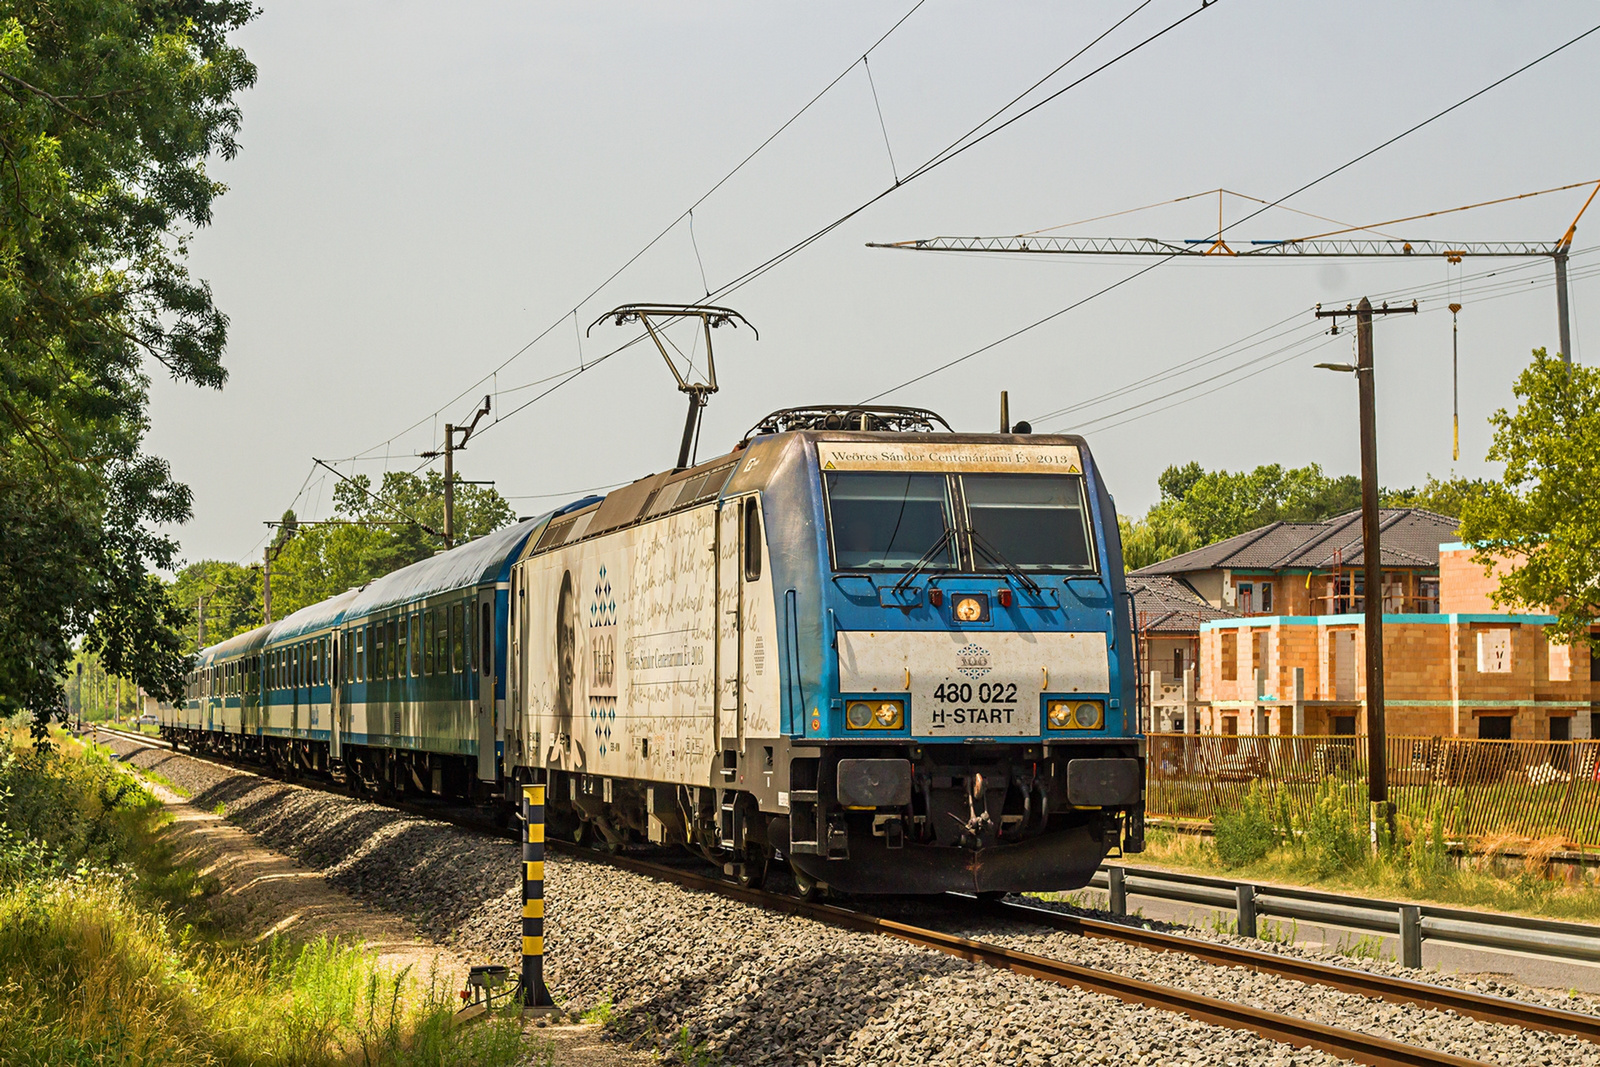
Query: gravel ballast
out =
(759, 988)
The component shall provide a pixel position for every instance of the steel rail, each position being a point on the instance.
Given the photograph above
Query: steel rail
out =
(1299, 1032)
(1500, 1010)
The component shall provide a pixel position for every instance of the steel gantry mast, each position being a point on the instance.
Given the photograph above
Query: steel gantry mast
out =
(1318, 246)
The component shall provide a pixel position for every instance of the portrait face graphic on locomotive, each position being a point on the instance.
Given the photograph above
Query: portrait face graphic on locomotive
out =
(566, 664)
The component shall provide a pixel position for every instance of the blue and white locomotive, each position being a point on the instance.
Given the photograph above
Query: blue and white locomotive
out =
(893, 658)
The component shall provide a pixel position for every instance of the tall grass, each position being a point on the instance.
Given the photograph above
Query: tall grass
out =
(1328, 843)
(111, 959)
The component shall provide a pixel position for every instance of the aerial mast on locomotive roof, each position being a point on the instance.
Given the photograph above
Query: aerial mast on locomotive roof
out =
(699, 393)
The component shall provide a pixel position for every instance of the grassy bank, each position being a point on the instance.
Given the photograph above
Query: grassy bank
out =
(1329, 849)
(113, 957)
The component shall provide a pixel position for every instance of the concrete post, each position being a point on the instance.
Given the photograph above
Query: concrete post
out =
(1299, 701)
(1191, 708)
(1154, 725)
(1261, 708)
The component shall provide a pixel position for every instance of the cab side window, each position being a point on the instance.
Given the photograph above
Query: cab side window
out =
(752, 540)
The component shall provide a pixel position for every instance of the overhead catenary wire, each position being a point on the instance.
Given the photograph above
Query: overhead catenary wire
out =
(1238, 222)
(1494, 291)
(668, 228)
(960, 145)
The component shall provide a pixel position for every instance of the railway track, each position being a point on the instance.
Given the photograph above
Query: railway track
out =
(1346, 1043)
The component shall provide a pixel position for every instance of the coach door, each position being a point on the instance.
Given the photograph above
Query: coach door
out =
(483, 635)
(336, 723)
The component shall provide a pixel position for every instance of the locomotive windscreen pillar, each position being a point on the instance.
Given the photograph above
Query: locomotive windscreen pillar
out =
(534, 993)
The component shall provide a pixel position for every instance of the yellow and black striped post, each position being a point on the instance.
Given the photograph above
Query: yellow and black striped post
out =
(534, 993)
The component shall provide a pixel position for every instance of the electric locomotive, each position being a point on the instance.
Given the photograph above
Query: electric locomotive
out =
(895, 657)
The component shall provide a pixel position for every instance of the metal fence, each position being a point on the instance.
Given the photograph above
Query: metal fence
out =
(1476, 789)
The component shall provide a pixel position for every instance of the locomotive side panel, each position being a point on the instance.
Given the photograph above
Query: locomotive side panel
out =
(619, 652)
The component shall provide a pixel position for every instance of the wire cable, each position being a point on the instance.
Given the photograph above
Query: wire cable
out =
(648, 245)
(1238, 222)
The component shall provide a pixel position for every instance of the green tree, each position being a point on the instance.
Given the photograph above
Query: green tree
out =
(1161, 534)
(404, 515)
(232, 597)
(1200, 507)
(1543, 515)
(1445, 497)
(109, 111)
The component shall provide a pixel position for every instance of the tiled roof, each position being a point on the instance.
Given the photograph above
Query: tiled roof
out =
(1410, 537)
(1166, 605)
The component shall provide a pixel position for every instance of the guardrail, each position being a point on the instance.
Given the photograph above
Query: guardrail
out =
(1411, 923)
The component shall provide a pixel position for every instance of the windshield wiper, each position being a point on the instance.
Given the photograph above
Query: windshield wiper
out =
(927, 558)
(982, 545)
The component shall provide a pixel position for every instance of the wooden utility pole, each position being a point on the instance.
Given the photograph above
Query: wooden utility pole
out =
(1371, 549)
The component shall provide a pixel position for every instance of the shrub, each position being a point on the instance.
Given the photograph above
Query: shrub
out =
(1330, 837)
(1250, 833)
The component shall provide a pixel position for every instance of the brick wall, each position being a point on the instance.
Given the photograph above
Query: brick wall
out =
(1464, 587)
(1427, 667)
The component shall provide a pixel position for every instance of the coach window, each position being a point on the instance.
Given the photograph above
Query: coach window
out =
(752, 540)
(416, 645)
(395, 662)
(378, 651)
(467, 644)
(402, 647)
(442, 661)
(427, 642)
(486, 650)
(361, 653)
(456, 626)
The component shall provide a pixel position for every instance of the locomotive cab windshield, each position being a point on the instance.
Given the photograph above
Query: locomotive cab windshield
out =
(884, 520)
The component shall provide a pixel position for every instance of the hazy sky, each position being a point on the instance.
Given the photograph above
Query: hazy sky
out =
(423, 191)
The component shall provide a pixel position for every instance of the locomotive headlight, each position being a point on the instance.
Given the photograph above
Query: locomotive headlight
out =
(1088, 715)
(1075, 714)
(969, 609)
(875, 715)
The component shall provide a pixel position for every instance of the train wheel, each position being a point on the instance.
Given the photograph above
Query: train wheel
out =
(751, 868)
(805, 886)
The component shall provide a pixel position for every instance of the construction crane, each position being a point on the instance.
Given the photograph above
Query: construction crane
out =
(1331, 244)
